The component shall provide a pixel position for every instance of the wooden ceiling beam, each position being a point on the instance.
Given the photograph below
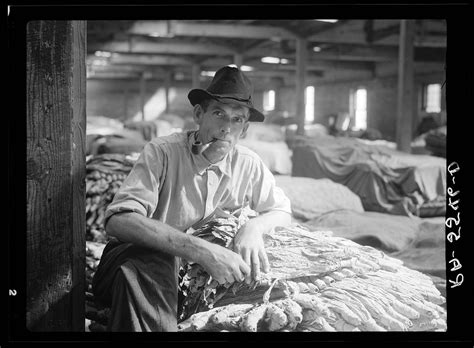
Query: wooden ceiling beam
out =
(173, 28)
(141, 46)
(434, 41)
(142, 59)
(260, 73)
(352, 53)
(382, 33)
(327, 65)
(118, 68)
(312, 65)
(358, 54)
(427, 34)
(328, 27)
(355, 32)
(108, 75)
(351, 31)
(127, 68)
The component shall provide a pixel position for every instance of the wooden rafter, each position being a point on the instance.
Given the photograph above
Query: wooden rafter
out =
(136, 45)
(186, 28)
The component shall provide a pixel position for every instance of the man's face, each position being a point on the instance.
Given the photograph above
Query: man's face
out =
(223, 122)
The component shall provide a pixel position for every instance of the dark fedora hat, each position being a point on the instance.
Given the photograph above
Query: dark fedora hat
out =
(228, 85)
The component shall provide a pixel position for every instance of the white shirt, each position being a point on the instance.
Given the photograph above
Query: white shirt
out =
(170, 184)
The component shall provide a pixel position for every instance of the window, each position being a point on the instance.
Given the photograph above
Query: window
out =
(432, 98)
(309, 104)
(358, 108)
(269, 100)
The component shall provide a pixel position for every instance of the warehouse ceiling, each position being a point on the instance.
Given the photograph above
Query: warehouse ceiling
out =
(171, 48)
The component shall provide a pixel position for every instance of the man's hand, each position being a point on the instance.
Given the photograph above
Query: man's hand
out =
(248, 242)
(224, 265)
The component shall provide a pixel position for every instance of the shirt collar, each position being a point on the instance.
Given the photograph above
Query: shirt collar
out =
(201, 164)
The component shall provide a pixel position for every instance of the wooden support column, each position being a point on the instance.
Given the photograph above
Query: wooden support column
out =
(405, 85)
(196, 75)
(238, 59)
(167, 91)
(300, 83)
(142, 94)
(56, 124)
(125, 103)
(276, 85)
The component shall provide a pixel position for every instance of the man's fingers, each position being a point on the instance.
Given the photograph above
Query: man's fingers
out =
(264, 261)
(247, 274)
(245, 253)
(220, 280)
(255, 266)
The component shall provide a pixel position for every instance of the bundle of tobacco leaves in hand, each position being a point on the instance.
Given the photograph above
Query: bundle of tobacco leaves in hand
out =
(197, 288)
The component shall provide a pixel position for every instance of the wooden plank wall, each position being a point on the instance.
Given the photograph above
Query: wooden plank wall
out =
(56, 123)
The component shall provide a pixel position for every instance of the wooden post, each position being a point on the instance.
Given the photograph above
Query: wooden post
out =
(167, 91)
(276, 83)
(238, 60)
(405, 85)
(125, 103)
(142, 95)
(196, 73)
(300, 83)
(56, 123)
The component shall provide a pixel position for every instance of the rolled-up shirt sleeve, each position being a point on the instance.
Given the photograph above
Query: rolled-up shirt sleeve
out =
(266, 196)
(139, 191)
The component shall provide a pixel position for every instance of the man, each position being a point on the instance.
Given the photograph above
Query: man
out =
(171, 189)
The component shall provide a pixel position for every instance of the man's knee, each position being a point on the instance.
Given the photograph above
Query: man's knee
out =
(137, 266)
(144, 295)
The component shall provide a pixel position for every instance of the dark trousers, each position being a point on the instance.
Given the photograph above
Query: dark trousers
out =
(140, 286)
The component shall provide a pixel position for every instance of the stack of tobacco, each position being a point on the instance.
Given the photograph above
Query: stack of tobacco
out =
(104, 175)
(318, 282)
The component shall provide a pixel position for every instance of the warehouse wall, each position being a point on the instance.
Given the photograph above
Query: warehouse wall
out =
(117, 99)
(333, 98)
(120, 99)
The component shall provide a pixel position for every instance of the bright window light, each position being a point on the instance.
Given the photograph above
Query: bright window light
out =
(309, 104)
(317, 49)
(433, 98)
(246, 68)
(269, 100)
(274, 60)
(345, 124)
(358, 100)
(208, 73)
(271, 60)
